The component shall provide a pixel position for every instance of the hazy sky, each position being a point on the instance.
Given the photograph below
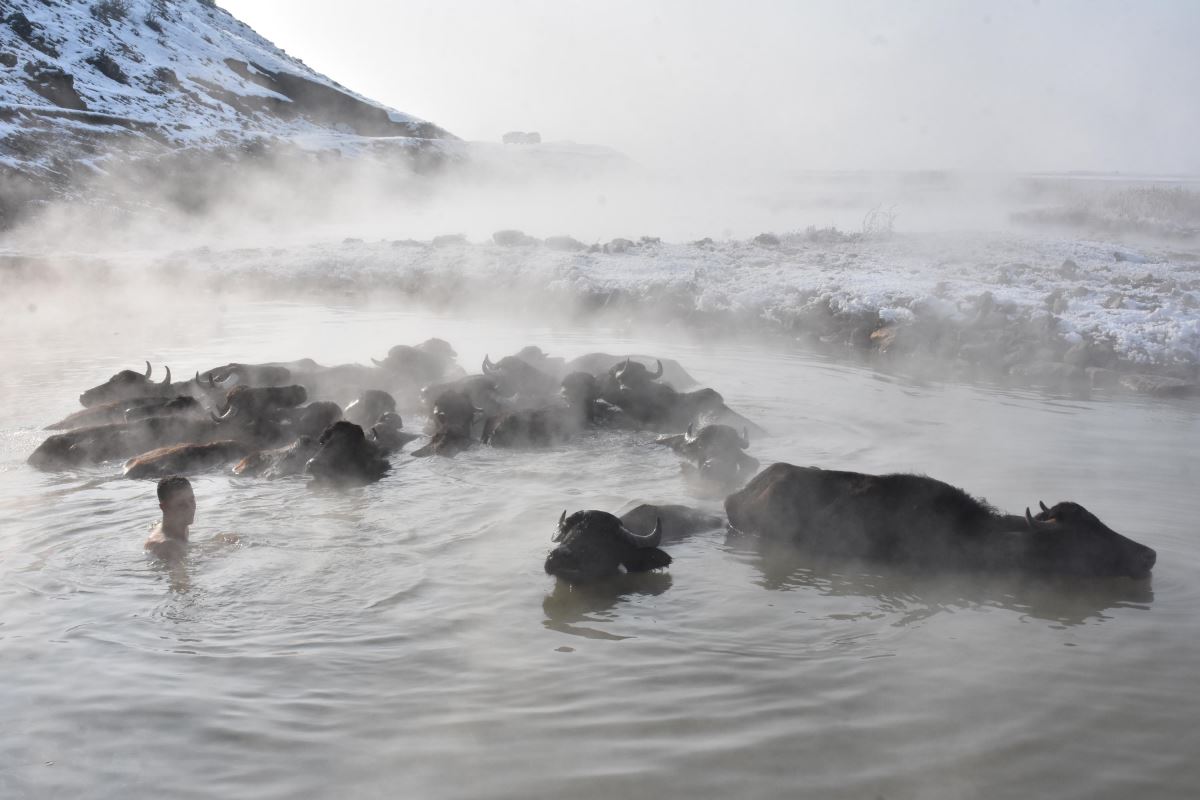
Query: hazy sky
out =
(845, 84)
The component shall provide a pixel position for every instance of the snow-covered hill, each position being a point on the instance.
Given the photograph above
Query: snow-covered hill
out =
(84, 81)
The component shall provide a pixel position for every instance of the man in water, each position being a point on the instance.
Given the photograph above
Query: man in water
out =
(169, 538)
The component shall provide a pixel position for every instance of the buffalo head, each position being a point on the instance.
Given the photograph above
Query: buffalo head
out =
(344, 457)
(1067, 539)
(124, 385)
(593, 545)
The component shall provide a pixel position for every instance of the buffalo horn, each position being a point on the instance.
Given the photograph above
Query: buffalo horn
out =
(167, 380)
(1043, 505)
(621, 372)
(558, 534)
(689, 437)
(377, 363)
(648, 540)
(1035, 524)
(488, 366)
(148, 370)
(657, 374)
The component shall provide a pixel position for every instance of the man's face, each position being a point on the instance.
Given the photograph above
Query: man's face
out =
(180, 507)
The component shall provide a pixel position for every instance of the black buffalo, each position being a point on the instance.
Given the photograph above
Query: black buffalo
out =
(312, 419)
(185, 459)
(600, 364)
(280, 462)
(128, 410)
(515, 377)
(97, 443)
(345, 457)
(481, 389)
(388, 433)
(369, 407)
(675, 521)
(126, 385)
(659, 407)
(593, 545)
(716, 452)
(453, 415)
(429, 361)
(922, 522)
(257, 401)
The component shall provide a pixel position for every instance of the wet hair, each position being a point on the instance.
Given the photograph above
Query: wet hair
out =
(171, 485)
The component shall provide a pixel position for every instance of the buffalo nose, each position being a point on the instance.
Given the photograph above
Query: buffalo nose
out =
(1149, 557)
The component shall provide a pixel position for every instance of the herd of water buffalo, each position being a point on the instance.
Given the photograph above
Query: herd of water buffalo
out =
(284, 419)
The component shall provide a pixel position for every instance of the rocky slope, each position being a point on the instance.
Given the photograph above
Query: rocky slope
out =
(87, 84)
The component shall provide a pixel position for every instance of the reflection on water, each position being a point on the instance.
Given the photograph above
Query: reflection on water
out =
(401, 639)
(906, 596)
(567, 606)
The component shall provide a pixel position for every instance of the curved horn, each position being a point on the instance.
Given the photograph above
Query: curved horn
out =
(745, 437)
(688, 436)
(561, 531)
(1034, 524)
(657, 374)
(1043, 506)
(645, 541)
(488, 366)
(197, 378)
(211, 383)
(148, 370)
(167, 380)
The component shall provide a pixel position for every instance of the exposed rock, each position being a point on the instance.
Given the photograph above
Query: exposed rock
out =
(565, 244)
(512, 238)
(1158, 385)
(766, 240)
(618, 246)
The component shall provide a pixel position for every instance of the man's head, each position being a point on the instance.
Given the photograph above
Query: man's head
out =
(176, 500)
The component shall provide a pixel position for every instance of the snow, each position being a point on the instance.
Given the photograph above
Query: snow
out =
(195, 41)
(935, 279)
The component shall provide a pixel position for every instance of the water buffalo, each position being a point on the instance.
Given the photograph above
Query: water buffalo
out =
(427, 362)
(312, 419)
(345, 457)
(541, 427)
(388, 434)
(924, 523)
(716, 452)
(594, 544)
(280, 462)
(534, 357)
(247, 401)
(97, 443)
(599, 364)
(677, 522)
(453, 414)
(125, 385)
(516, 377)
(184, 459)
(181, 406)
(581, 390)
(273, 374)
(126, 410)
(369, 407)
(481, 389)
(659, 407)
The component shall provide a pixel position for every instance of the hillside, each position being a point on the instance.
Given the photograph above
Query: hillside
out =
(86, 85)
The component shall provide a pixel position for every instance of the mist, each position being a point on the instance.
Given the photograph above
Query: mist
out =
(736, 89)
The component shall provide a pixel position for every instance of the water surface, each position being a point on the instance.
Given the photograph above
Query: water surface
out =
(401, 640)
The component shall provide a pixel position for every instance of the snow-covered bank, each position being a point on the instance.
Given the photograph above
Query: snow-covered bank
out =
(1035, 310)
